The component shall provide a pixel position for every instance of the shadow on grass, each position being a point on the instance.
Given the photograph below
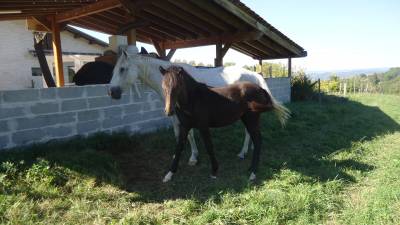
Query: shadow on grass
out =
(138, 163)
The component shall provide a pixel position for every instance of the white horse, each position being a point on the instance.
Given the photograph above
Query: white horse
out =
(131, 66)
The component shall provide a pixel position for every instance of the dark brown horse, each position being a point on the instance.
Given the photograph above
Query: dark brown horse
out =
(199, 106)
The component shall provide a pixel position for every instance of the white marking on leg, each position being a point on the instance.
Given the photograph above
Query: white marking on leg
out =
(213, 177)
(168, 177)
(252, 177)
(245, 147)
(195, 151)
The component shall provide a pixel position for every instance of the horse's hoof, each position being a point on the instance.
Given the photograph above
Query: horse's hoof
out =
(213, 177)
(192, 162)
(168, 177)
(241, 156)
(252, 177)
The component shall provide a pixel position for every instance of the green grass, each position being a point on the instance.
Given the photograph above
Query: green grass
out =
(335, 163)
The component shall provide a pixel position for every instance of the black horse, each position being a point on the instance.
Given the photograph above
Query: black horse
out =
(96, 72)
(199, 106)
(99, 72)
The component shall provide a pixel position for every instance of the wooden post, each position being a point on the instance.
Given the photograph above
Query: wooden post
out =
(354, 85)
(57, 51)
(38, 45)
(131, 37)
(270, 71)
(261, 66)
(345, 88)
(319, 91)
(218, 59)
(289, 67)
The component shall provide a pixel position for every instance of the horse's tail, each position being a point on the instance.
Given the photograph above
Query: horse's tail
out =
(279, 109)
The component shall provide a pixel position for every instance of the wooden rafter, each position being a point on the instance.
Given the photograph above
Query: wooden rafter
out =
(226, 38)
(87, 10)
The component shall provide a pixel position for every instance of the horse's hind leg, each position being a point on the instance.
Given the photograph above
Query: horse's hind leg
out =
(252, 123)
(247, 142)
(193, 146)
(183, 132)
(205, 134)
(195, 151)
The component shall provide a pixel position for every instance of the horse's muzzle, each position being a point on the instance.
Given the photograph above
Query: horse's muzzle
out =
(115, 92)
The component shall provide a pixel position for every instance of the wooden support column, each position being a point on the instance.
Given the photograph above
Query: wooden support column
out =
(57, 52)
(132, 37)
(160, 49)
(260, 63)
(290, 67)
(170, 54)
(218, 56)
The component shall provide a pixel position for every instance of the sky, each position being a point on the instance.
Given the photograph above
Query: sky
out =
(338, 35)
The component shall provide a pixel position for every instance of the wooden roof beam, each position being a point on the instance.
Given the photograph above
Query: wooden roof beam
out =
(227, 38)
(87, 10)
(229, 6)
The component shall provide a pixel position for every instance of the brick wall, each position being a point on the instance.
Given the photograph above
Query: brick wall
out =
(280, 88)
(38, 115)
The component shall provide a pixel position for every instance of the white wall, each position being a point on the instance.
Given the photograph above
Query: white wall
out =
(16, 61)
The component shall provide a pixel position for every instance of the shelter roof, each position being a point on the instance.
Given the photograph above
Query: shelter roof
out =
(171, 24)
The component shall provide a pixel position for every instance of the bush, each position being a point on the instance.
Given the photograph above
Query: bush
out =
(302, 88)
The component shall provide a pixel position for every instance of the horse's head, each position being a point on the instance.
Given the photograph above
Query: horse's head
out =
(125, 72)
(174, 87)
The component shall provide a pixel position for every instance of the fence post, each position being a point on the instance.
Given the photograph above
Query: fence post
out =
(319, 90)
(345, 88)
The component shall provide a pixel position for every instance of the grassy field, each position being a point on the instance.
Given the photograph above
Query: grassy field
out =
(335, 163)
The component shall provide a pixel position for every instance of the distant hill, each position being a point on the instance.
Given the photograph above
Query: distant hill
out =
(324, 75)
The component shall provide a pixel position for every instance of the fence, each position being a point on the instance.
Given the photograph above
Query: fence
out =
(39, 115)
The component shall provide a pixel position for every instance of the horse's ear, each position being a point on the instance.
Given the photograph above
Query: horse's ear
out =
(124, 53)
(143, 51)
(162, 70)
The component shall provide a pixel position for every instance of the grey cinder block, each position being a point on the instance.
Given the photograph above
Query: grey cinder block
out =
(59, 131)
(11, 112)
(112, 122)
(113, 111)
(70, 92)
(88, 115)
(96, 90)
(48, 93)
(4, 126)
(4, 141)
(28, 136)
(44, 108)
(45, 120)
(26, 95)
(132, 108)
(73, 105)
(89, 126)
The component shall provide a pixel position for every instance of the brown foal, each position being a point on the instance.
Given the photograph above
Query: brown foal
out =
(199, 106)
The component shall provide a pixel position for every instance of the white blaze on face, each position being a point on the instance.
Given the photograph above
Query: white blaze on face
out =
(126, 71)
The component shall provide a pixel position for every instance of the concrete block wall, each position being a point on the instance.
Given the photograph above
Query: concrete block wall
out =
(38, 115)
(280, 88)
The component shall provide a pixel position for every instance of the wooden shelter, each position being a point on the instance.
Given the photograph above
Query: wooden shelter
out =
(167, 24)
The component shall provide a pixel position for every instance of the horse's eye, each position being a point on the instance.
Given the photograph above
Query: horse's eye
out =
(121, 70)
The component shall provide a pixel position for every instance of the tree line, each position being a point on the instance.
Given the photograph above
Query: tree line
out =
(386, 83)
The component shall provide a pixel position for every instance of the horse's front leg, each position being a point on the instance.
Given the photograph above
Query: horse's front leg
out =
(193, 146)
(205, 133)
(182, 137)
